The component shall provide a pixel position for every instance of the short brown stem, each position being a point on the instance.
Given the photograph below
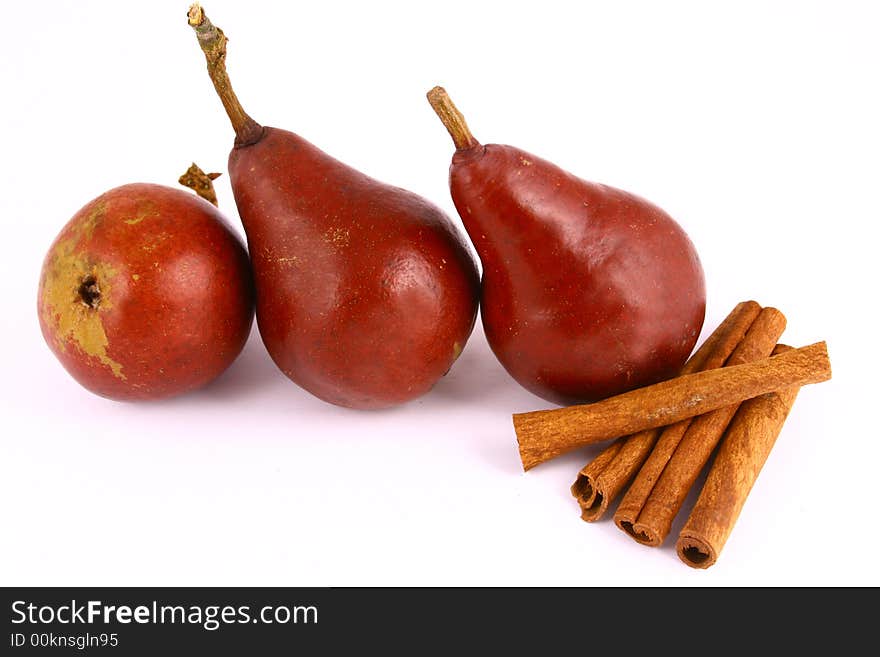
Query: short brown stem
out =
(200, 182)
(213, 44)
(452, 119)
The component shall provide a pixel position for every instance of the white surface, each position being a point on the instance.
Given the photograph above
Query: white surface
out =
(754, 125)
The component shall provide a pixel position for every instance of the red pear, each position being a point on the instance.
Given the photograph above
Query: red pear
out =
(146, 293)
(587, 290)
(366, 293)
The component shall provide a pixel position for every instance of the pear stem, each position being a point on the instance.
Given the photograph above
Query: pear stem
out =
(213, 44)
(452, 119)
(200, 182)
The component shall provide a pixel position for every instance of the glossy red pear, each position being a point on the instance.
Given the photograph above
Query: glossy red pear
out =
(587, 290)
(366, 293)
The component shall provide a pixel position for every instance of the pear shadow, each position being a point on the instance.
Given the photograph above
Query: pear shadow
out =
(250, 374)
(477, 377)
(477, 382)
(572, 463)
(255, 374)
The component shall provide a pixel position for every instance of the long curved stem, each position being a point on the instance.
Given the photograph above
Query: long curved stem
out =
(213, 43)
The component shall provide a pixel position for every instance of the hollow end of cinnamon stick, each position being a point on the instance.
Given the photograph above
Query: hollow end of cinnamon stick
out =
(646, 535)
(643, 535)
(695, 552)
(583, 490)
(587, 488)
(593, 494)
(590, 497)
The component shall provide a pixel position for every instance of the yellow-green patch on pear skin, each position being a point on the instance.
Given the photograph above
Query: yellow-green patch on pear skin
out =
(456, 351)
(87, 225)
(145, 208)
(63, 308)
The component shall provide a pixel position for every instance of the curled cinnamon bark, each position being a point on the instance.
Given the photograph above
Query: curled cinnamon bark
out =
(743, 452)
(602, 480)
(543, 435)
(702, 435)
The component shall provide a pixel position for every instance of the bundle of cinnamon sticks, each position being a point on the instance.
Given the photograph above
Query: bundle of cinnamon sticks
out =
(731, 400)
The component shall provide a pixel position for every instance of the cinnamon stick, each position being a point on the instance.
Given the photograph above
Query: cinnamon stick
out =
(543, 435)
(585, 488)
(743, 452)
(601, 481)
(655, 518)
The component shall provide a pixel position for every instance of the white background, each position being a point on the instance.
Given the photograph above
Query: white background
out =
(754, 124)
